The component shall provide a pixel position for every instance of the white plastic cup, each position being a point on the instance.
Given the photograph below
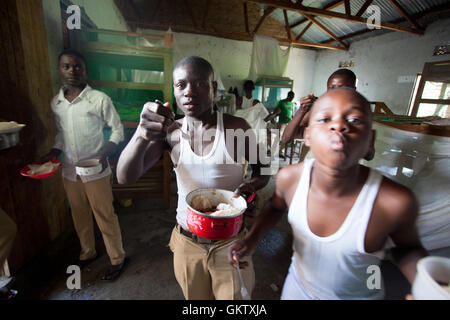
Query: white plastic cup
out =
(430, 271)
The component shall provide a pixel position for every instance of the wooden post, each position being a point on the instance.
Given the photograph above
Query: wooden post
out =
(37, 207)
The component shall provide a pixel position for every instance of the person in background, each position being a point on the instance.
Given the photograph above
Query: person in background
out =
(343, 215)
(205, 159)
(295, 128)
(81, 114)
(283, 109)
(247, 101)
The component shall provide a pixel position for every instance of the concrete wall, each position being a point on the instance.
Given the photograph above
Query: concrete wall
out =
(379, 61)
(301, 67)
(231, 58)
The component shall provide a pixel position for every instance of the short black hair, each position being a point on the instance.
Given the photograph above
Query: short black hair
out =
(249, 84)
(196, 61)
(72, 52)
(345, 72)
(291, 93)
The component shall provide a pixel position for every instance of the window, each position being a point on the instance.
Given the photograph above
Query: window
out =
(431, 94)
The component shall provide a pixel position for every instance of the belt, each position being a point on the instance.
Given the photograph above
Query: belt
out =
(195, 237)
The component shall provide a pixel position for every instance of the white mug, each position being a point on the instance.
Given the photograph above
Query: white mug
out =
(430, 271)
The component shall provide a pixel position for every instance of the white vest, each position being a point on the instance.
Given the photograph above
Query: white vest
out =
(334, 267)
(247, 103)
(217, 169)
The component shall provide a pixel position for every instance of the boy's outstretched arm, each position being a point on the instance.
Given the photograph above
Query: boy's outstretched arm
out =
(298, 123)
(147, 144)
(266, 220)
(408, 250)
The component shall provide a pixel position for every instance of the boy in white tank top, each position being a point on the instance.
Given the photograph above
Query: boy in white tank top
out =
(341, 213)
(200, 265)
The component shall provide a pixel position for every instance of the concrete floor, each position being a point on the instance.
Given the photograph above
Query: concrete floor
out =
(146, 228)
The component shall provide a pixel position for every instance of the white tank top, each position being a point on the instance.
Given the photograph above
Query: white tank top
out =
(247, 103)
(217, 169)
(334, 267)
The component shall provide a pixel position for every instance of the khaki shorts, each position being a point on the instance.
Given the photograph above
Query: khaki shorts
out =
(203, 271)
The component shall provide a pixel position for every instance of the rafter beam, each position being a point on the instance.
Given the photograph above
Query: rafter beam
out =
(348, 10)
(247, 29)
(430, 12)
(321, 26)
(330, 14)
(128, 10)
(236, 35)
(363, 8)
(155, 10)
(266, 13)
(331, 6)
(300, 35)
(286, 24)
(405, 14)
(208, 3)
(191, 14)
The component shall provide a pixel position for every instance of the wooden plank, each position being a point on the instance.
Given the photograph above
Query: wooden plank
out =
(37, 207)
(155, 11)
(191, 14)
(261, 20)
(405, 14)
(241, 36)
(208, 4)
(419, 128)
(321, 26)
(300, 35)
(130, 13)
(123, 33)
(347, 7)
(286, 25)
(363, 8)
(127, 85)
(434, 101)
(331, 6)
(247, 29)
(351, 35)
(124, 49)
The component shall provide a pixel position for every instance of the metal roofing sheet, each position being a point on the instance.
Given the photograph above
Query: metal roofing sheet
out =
(341, 27)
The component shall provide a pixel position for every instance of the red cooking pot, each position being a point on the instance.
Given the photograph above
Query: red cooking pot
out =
(215, 228)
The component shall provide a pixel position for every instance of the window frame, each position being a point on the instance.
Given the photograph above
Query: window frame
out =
(428, 75)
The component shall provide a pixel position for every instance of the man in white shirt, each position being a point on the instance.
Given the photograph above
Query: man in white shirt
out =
(81, 114)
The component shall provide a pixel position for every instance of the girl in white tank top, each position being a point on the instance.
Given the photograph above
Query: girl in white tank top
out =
(332, 267)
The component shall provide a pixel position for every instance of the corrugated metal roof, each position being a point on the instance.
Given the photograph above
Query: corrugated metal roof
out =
(341, 27)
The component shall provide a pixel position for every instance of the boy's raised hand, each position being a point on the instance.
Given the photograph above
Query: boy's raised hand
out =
(154, 121)
(307, 102)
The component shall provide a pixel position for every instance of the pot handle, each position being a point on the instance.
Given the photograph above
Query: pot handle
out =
(252, 196)
(215, 224)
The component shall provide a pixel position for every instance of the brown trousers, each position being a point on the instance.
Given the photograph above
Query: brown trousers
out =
(95, 197)
(203, 271)
(8, 230)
